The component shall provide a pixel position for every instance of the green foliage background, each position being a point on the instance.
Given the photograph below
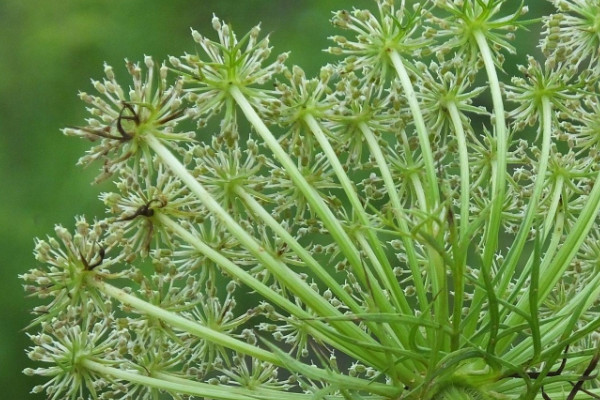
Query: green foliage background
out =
(48, 52)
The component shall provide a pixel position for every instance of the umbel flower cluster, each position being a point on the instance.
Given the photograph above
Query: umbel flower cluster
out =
(411, 223)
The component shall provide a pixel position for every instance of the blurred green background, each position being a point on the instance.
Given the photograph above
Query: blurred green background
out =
(48, 52)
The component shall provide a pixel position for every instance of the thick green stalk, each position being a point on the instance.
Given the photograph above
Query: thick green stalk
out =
(497, 192)
(431, 201)
(516, 249)
(463, 155)
(501, 150)
(380, 262)
(316, 202)
(398, 211)
(182, 323)
(432, 189)
(460, 255)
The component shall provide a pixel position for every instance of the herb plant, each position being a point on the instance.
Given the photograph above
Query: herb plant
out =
(411, 223)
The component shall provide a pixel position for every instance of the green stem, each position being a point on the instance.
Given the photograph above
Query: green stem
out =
(554, 204)
(460, 254)
(431, 201)
(380, 262)
(551, 331)
(552, 217)
(204, 390)
(316, 202)
(398, 211)
(463, 155)
(551, 249)
(320, 272)
(317, 330)
(516, 249)
(182, 323)
(402, 332)
(317, 269)
(289, 279)
(275, 266)
(348, 382)
(170, 383)
(552, 270)
(501, 142)
(432, 189)
(216, 337)
(497, 190)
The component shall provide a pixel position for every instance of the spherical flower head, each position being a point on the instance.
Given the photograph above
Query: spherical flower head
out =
(573, 35)
(394, 29)
(68, 262)
(303, 97)
(228, 63)
(139, 201)
(466, 18)
(222, 170)
(445, 84)
(66, 345)
(359, 101)
(537, 83)
(121, 119)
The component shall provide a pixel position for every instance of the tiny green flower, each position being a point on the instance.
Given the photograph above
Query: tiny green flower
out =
(231, 63)
(537, 84)
(394, 29)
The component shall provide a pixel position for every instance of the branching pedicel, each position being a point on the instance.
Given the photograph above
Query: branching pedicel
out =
(363, 239)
